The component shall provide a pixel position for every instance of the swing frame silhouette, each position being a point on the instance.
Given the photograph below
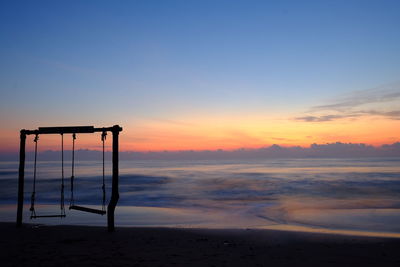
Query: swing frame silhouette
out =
(72, 130)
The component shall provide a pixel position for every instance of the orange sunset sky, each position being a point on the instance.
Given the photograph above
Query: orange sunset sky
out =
(200, 75)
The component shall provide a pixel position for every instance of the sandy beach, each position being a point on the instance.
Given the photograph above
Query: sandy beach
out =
(39, 245)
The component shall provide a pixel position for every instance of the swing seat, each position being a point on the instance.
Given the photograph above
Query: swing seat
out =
(85, 209)
(48, 216)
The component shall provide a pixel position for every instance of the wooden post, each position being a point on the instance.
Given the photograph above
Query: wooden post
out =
(114, 190)
(21, 178)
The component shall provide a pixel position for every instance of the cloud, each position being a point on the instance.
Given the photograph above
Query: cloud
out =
(281, 139)
(329, 150)
(322, 118)
(174, 122)
(394, 114)
(380, 101)
(382, 94)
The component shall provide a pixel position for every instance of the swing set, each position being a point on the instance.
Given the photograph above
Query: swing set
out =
(70, 130)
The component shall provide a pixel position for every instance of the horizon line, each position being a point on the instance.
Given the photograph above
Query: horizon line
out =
(225, 149)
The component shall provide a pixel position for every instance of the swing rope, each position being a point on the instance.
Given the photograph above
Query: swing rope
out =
(103, 139)
(62, 200)
(33, 196)
(71, 203)
(81, 208)
(32, 209)
(62, 208)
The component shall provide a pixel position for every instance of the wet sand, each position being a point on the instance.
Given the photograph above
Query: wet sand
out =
(38, 245)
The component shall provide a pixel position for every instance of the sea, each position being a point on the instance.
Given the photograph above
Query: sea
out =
(344, 196)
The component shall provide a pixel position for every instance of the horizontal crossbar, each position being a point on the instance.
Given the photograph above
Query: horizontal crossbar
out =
(85, 209)
(71, 130)
(47, 216)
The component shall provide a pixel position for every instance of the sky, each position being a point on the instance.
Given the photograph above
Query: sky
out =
(202, 75)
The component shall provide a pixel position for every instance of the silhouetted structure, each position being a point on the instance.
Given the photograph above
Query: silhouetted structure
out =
(70, 130)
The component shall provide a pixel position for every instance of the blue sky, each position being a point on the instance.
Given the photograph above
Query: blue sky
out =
(107, 61)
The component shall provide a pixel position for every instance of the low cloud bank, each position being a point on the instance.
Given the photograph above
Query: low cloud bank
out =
(331, 150)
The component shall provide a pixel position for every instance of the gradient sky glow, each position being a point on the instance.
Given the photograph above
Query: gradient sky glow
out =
(202, 74)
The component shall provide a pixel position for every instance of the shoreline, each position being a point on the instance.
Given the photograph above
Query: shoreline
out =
(156, 217)
(44, 245)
